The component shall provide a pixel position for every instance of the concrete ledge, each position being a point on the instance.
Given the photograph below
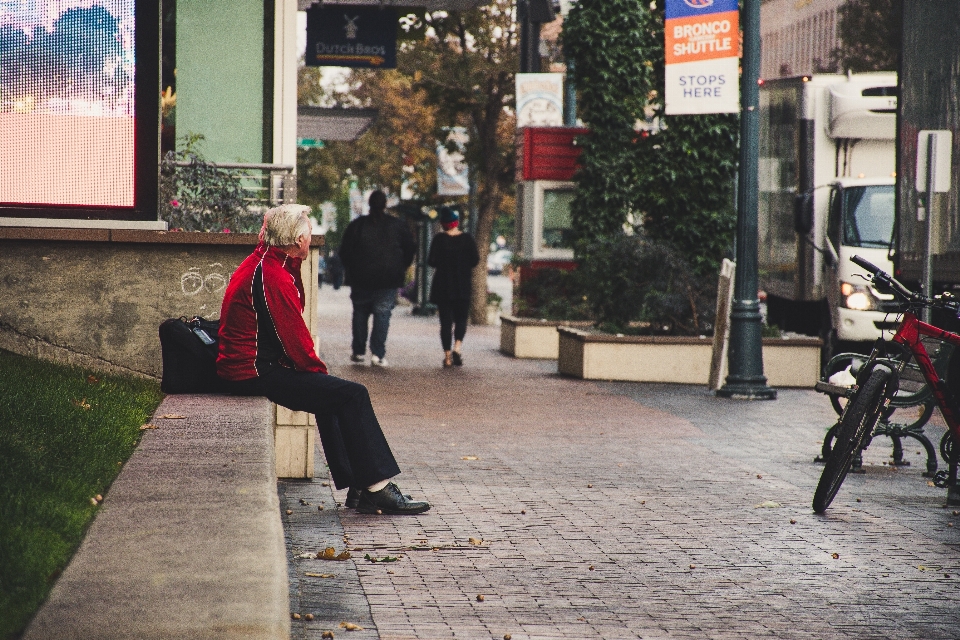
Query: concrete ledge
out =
(533, 337)
(189, 542)
(592, 355)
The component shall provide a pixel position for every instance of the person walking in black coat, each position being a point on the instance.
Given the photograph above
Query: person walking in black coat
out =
(376, 251)
(453, 255)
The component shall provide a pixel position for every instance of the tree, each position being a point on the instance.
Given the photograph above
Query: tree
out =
(466, 65)
(871, 33)
(398, 148)
(610, 42)
(675, 176)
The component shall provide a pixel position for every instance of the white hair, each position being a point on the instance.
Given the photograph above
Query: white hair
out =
(285, 224)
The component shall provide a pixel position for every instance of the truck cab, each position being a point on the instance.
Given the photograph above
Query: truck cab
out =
(860, 221)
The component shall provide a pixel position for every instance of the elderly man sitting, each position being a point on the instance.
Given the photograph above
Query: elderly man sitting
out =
(266, 349)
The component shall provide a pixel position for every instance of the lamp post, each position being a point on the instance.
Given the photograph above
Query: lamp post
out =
(745, 378)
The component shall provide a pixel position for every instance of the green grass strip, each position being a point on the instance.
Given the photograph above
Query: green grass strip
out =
(64, 436)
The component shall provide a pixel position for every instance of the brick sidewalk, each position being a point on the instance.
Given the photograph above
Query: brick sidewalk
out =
(612, 510)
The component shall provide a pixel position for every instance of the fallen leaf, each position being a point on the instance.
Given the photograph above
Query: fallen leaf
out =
(304, 502)
(792, 521)
(590, 568)
(320, 508)
(324, 484)
(383, 559)
(308, 617)
(319, 575)
(507, 636)
(349, 626)
(289, 512)
(307, 555)
(759, 477)
(144, 427)
(921, 567)
(589, 486)
(769, 504)
(475, 541)
(331, 554)
(295, 616)
(327, 634)
(693, 566)
(83, 404)
(835, 556)
(92, 379)
(930, 484)
(173, 416)
(479, 597)
(469, 458)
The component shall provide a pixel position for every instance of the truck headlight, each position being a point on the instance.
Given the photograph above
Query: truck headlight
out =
(857, 297)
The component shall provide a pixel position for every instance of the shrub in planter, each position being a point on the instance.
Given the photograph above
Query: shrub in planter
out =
(550, 294)
(635, 285)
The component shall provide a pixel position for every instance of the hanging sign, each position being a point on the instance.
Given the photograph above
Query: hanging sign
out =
(351, 36)
(539, 100)
(702, 45)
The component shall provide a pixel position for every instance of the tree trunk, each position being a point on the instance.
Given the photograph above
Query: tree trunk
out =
(487, 200)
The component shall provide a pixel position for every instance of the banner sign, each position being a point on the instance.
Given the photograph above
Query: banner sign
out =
(539, 100)
(453, 174)
(351, 36)
(702, 42)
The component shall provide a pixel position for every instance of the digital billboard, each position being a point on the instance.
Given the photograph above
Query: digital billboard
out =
(68, 104)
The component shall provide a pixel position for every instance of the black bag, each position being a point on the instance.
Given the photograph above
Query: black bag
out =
(189, 349)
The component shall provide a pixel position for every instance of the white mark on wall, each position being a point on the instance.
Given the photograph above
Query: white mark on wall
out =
(195, 281)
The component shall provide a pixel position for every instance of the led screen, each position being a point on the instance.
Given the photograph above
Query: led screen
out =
(67, 102)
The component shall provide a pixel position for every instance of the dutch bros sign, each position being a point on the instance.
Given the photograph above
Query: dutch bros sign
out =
(702, 56)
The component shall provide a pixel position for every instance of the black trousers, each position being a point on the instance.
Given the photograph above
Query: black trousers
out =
(353, 442)
(453, 315)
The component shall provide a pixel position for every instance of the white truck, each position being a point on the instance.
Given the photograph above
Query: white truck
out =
(827, 179)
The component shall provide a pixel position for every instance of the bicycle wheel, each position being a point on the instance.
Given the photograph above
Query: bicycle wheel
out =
(856, 425)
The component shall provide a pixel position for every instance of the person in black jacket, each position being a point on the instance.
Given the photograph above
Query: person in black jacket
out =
(453, 255)
(375, 252)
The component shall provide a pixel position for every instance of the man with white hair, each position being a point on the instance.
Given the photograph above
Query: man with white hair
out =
(267, 350)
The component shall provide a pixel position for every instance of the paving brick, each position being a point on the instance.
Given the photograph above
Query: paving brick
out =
(677, 476)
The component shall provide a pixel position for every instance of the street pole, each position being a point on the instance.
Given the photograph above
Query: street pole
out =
(928, 245)
(745, 356)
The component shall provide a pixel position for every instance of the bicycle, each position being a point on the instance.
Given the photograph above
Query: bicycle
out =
(877, 384)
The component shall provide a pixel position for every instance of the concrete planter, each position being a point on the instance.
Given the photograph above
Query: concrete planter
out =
(532, 337)
(788, 362)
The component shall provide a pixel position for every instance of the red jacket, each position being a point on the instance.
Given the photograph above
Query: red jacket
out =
(240, 325)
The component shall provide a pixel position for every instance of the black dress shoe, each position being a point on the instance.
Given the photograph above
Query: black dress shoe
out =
(457, 359)
(353, 498)
(389, 501)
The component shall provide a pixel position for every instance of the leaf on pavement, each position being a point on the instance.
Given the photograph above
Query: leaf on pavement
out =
(318, 575)
(769, 504)
(475, 541)
(349, 626)
(144, 427)
(367, 556)
(173, 416)
(469, 458)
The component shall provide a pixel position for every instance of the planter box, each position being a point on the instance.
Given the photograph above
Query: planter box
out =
(787, 362)
(531, 337)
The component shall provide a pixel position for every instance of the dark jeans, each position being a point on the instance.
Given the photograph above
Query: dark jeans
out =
(453, 315)
(380, 303)
(356, 450)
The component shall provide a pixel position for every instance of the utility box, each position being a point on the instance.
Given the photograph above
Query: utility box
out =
(545, 191)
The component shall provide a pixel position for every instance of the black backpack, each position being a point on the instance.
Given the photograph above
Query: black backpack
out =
(189, 349)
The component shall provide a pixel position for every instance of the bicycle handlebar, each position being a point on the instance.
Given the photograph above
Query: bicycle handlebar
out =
(886, 279)
(869, 266)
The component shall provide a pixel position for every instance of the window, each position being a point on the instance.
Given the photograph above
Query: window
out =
(557, 228)
(868, 218)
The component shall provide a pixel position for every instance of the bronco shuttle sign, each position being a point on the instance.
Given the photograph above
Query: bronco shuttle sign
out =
(702, 47)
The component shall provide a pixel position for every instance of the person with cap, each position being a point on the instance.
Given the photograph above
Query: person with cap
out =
(266, 350)
(453, 255)
(375, 252)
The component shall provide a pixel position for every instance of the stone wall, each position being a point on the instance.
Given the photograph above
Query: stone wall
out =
(96, 297)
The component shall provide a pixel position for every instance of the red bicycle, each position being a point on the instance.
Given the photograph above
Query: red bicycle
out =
(878, 379)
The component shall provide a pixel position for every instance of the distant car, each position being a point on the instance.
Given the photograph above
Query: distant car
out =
(498, 260)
